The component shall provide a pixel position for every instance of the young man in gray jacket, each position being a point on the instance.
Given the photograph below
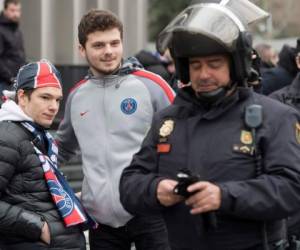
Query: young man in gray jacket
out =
(107, 116)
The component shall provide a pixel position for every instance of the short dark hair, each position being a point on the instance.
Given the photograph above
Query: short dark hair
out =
(7, 2)
(97, 20)
(27, 92)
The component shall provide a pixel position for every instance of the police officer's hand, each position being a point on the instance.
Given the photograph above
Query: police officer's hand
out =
(207, 197)
(165, 193)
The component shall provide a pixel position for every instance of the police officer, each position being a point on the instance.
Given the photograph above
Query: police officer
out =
(238, 150)
(290, 95)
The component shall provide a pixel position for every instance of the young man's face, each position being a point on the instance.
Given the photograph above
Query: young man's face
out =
(13, 12)
(42, 106)
(103, 51)
(209, 73)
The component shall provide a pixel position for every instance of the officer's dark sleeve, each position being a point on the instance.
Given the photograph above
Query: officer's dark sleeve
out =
(139, 181)
(276, 193)
(14, 219)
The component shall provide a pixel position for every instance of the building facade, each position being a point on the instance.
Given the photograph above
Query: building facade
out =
(50, 27)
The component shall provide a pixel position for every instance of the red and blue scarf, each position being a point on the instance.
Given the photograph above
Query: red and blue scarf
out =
(62, 194)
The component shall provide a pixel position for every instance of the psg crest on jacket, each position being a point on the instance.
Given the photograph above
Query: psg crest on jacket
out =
(128, 106)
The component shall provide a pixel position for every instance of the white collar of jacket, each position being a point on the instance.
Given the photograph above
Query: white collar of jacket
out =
(10, 111)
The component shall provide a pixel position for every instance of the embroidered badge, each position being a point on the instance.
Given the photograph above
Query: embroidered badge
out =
(243, 149)
(128, 106)
(246, 137)
(167, 128)
(297, 126)
(163, 148)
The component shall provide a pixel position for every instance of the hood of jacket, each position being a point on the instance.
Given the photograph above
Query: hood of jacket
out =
(10, 111)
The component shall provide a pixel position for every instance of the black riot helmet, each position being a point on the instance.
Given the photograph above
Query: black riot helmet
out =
(212, 28)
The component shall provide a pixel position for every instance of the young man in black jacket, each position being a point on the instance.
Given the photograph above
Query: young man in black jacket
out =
(222, 162)
(36, 209)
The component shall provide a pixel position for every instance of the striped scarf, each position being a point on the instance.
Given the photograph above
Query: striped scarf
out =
(63, 196)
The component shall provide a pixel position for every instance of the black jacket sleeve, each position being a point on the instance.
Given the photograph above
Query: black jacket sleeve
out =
(139, 181)
(14, 219)
(277, 189)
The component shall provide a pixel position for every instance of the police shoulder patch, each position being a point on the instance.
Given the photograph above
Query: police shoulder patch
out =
(246, 137)
(167, 128)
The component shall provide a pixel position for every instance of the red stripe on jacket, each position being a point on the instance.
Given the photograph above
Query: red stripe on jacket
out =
(78, 84)
(157, 79)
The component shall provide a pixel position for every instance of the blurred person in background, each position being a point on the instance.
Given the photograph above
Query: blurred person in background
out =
(267, 54)
(162, 65)
(290, 95)
(283, 73)
(12, 54)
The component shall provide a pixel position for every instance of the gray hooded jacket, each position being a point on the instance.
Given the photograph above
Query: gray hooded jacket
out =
(108, 118)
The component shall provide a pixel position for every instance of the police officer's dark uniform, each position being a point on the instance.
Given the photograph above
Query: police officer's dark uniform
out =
(256, 169)
(290, 95)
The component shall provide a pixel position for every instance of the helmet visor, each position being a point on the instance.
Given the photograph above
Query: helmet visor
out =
(209, 20)
(217, 21)
(247, 11)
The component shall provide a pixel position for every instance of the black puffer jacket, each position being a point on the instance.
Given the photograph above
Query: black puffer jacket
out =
(25, 202)
(12, 55)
